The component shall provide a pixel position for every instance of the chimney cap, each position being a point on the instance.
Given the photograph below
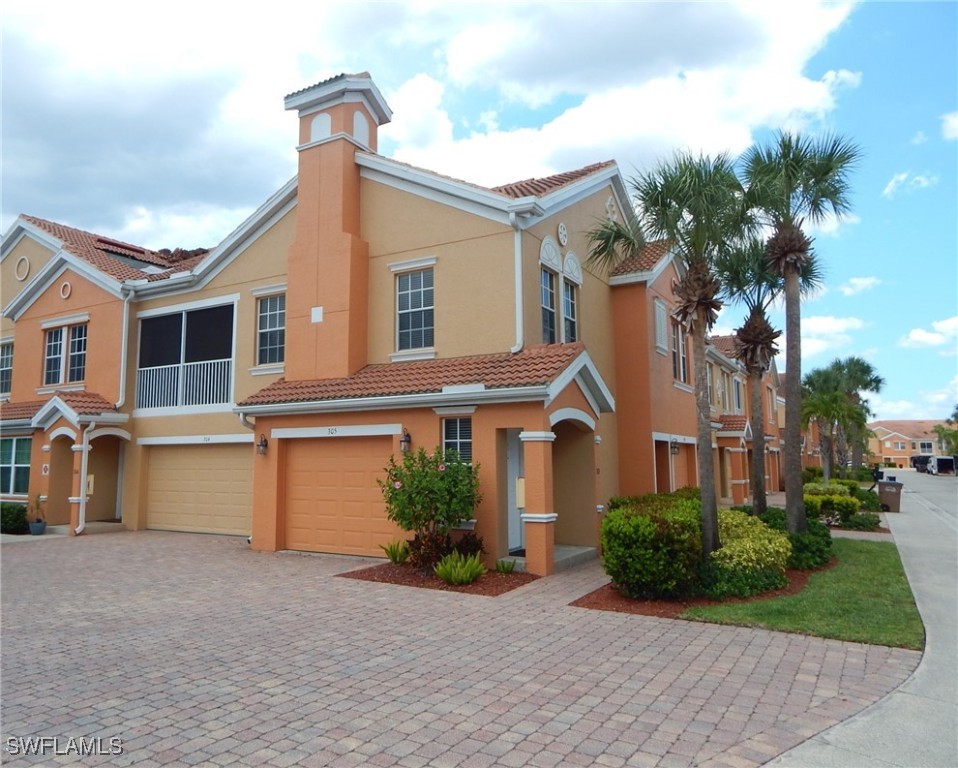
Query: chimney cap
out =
(356, 87)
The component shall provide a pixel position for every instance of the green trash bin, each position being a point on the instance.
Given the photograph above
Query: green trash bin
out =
(889, 495)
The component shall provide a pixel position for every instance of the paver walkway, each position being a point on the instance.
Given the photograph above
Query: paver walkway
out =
(194, 650)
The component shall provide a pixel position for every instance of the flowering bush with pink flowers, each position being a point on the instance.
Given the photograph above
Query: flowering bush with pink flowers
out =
(430, 493)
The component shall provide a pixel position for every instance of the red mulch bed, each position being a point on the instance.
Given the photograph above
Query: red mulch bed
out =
(607, 598)
(490, 584)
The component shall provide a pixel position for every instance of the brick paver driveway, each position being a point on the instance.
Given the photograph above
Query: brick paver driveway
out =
(194, 650)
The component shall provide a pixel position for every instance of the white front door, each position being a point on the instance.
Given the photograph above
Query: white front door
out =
(514, 472)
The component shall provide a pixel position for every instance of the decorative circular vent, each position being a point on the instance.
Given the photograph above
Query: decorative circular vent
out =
(65, 290)
(22, 269)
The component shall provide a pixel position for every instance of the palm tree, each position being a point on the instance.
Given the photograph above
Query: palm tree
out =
(857, 375)
(795, 179)
(695, 203)
(747, 278)
(825, 400)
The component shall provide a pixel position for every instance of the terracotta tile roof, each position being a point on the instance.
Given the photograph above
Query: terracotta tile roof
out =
(20, 411)
(122, 261)
(84, 403)
(645, 260)
(533, 366)
(733, 423)
(913, 429)
(543, 186)
(329, 80)
(725, 345)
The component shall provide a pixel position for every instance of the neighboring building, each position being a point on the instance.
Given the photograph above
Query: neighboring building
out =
(260, 387)
(894, 442)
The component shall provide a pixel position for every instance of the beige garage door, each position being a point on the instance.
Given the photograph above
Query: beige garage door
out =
(200, 488)
(333, 503)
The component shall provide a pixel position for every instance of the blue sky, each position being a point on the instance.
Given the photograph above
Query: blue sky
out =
(164, 125)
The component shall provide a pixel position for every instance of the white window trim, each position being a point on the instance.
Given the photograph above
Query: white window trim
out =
(407, 355)
(66, 341)
(412, 265)
(661, 319)
(60, 322)
(172, 309)
(562, 268)
(413, 353)
(259, 302)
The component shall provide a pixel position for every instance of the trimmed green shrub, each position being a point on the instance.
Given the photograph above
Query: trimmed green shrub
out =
(689, 493)
(13, 518)
(839, 508)
(505, 566)
(459, 569)
(652, 545)
(868, 499)
(833, 488)
(811, 474)
(813, 507)
(851, 485)
(811, 549)
(427, 549)
(752, 559)
(863, 521)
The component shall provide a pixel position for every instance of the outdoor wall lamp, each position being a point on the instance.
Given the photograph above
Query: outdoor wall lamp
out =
(261, 445)
(673, 446)
(405, 442)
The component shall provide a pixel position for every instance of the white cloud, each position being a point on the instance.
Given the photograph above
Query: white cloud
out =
(928, 404)
(909, 181)
(824, 333)
(859, 284)
(919, 138)
(949, 126)
(943, 332)
(831, 225)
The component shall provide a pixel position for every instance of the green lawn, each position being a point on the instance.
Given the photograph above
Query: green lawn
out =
(865, 598)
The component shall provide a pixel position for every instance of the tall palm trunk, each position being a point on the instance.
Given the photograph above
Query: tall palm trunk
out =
(757, 481)
(710, 534)
(794, 503)
(828, 450)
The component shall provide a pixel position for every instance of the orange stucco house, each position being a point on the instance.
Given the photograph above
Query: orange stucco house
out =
(259, 388)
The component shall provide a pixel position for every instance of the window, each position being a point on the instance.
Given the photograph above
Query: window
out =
(15, 465)
(708, 380)
(271, 332)
(70, 367)
(680, 363)
(899, 445)
(927, 447)
(547, 293)
(661, 326)
(457, 436)
(770, 396)
(6, 368)
(569, 324)
(726, 389)
(186, 358)
(738, 396)
(415, 305)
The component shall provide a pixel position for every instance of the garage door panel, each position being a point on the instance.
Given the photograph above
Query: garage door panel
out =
(200, 488)
(333, 501)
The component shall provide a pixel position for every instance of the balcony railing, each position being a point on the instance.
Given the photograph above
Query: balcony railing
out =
(170, 386)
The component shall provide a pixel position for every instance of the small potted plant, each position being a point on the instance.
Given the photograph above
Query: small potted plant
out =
(36, 517)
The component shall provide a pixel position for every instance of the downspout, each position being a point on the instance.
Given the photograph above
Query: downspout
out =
(84, 465)
(246, 422)
(517, 248)
(124, 344)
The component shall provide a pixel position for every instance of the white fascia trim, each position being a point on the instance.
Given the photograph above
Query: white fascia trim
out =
(63, 432)
(111, 432)
(17, 427)
(667, 437)
(712, 351)
(53, 409)
(268, 290)
(331, 138)
(455, 410)
(247, 233)
(340, 90)
(571, 414)
(20, 229)
(52, 271)
(455, 194)
(267, 370)
(183, 410)
(226, 439)
(731, 433)
(411, 264)
(59, 322)
(583, 370)
(348, 430)
(688, 388)
(213, 301)
(579, 190)
(424, 400)
(645, 277)
(104, 418)
(463, 389)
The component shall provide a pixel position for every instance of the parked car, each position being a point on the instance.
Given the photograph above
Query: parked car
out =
(941, 465)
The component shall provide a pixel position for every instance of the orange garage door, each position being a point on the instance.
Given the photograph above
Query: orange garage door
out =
(333, 503)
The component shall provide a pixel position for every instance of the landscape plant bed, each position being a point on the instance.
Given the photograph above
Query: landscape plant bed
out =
(490, 584)
(608, 598)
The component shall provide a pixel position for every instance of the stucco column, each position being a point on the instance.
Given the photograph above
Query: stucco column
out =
(77, 487)
(738, 457)
(268, 524)
(538, 517)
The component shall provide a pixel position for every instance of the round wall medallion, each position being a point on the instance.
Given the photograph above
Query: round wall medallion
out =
(563, 234)
(65, 290)
(22, 269)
